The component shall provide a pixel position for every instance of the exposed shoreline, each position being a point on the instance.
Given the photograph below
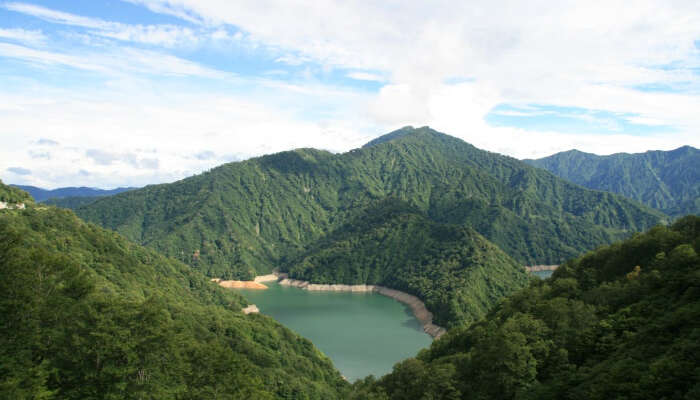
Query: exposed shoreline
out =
(240, 284)
(417, 306)
(538, 268)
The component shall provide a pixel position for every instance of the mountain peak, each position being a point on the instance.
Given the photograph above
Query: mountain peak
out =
(400, 133)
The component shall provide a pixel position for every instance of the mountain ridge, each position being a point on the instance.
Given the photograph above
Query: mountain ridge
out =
(665, 180)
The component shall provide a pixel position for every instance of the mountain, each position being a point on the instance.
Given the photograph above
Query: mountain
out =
(71, 203)
(620, 322)
(457, 272)
(246, 218)
(9, 194)
(242, 218)
(666, 180)
(84, 313)
(41, 195)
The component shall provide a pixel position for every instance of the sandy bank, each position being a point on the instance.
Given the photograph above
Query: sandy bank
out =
(537, 268)
(417, 306)
(239, 284)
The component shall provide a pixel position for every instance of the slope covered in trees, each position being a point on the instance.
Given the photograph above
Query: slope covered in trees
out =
(241, 219)
(71, 203)
(84, 313)
(620, 322)
(457, 272)
(666, 180)
(9, 194)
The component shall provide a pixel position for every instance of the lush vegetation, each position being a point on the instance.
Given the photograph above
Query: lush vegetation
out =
(243, 218)
(40, 194)
(666, 180)
(455, 270)
(11, 195)
(71, 203)
(86, 314)
(621, 322)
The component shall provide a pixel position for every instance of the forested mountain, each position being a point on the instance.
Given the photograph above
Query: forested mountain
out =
(71, 203)
(40, 194)
(456, 271)
(620, 322)
(241, 219)
(84, 313)
(9, 194)
(666, 180)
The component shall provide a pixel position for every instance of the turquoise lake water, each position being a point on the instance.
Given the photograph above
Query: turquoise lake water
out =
(363, 333)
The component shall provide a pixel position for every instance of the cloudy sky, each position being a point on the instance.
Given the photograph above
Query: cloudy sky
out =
(126, 93)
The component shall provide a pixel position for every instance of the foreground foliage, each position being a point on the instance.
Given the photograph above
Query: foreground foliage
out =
(666, 180)
(86, 314)
(620, 322)
(456, 271)
(9, 194)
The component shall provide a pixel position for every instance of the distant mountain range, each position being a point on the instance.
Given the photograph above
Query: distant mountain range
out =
(666, 180)
(41, 195)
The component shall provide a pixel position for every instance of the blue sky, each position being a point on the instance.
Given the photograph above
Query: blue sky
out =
(115, 93)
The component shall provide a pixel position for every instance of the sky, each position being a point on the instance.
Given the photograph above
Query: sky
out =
(129, 93)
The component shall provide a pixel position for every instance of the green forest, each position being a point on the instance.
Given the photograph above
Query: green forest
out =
(86, 314)
(9, 194)
(241, 219)
(457, 272)
(666, 180)
(621, 322)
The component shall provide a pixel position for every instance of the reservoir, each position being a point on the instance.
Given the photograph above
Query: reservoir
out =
(363, 333)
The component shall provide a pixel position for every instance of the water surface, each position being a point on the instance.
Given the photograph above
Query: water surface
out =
(363, 333)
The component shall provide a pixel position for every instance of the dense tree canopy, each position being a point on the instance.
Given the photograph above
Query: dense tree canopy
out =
(666, 180)
(619, 322)
(86, 314)
(457, 272)
(9, 194)
(242, 218)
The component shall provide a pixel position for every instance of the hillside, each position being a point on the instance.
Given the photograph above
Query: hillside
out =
(457, 272)
(41, 195)
(9, 194)
(71, 203)
(666, 180)
(87, 314)
(241, 219)
(620, 322)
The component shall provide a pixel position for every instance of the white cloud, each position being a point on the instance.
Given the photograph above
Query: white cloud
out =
(159, 35)
(564, 53)
(116, 61)
(23, 35)
(126, 136)
(365, 76)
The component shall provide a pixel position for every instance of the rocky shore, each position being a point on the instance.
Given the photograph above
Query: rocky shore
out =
(417, 306)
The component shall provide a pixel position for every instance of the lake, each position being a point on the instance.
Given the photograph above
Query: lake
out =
(363, 333)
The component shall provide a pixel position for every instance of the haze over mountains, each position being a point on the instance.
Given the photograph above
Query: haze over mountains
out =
(40, 194)
(666, 180)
